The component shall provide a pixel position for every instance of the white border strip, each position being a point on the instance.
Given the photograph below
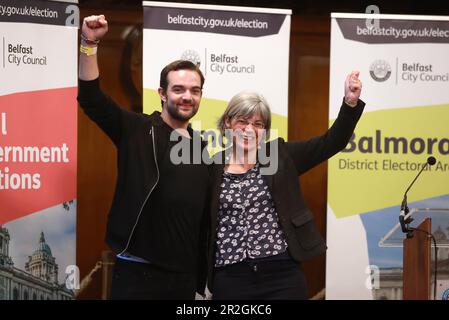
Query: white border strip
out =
(387, 16)
(214, 7)
(68, 1)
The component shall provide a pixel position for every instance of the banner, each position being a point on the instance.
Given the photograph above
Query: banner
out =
(38, 147)
(405, 73)
(237, 48)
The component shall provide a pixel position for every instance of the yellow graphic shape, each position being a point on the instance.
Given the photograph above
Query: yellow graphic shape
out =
(375, 175)
(210, 111)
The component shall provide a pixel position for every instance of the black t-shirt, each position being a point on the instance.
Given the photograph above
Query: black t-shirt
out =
(168, 230)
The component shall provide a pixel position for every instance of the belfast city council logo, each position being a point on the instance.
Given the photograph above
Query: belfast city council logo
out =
(193, 56)
(380, 70)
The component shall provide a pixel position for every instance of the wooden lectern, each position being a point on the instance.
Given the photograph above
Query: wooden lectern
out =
(417, 263)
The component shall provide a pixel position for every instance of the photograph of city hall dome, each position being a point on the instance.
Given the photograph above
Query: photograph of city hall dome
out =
(38, 280)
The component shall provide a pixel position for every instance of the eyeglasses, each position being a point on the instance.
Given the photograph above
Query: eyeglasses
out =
(243, 123)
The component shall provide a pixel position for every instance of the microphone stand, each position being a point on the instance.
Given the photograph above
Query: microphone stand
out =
(404, 221)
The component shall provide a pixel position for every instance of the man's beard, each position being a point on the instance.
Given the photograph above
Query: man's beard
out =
(173, 111)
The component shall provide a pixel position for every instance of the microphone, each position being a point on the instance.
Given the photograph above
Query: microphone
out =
(404, 208)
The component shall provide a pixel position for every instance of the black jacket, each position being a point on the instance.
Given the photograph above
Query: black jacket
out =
(294, 158)
(136, 137)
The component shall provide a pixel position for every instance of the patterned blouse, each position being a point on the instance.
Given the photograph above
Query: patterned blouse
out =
(248, 225)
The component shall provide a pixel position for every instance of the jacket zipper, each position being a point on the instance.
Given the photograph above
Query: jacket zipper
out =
(149, 193)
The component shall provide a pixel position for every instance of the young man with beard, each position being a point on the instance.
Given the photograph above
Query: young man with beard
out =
(156, 225)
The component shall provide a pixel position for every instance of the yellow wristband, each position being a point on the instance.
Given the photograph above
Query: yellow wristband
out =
(88, 51)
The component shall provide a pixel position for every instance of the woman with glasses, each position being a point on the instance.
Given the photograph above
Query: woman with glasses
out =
(261, 227)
